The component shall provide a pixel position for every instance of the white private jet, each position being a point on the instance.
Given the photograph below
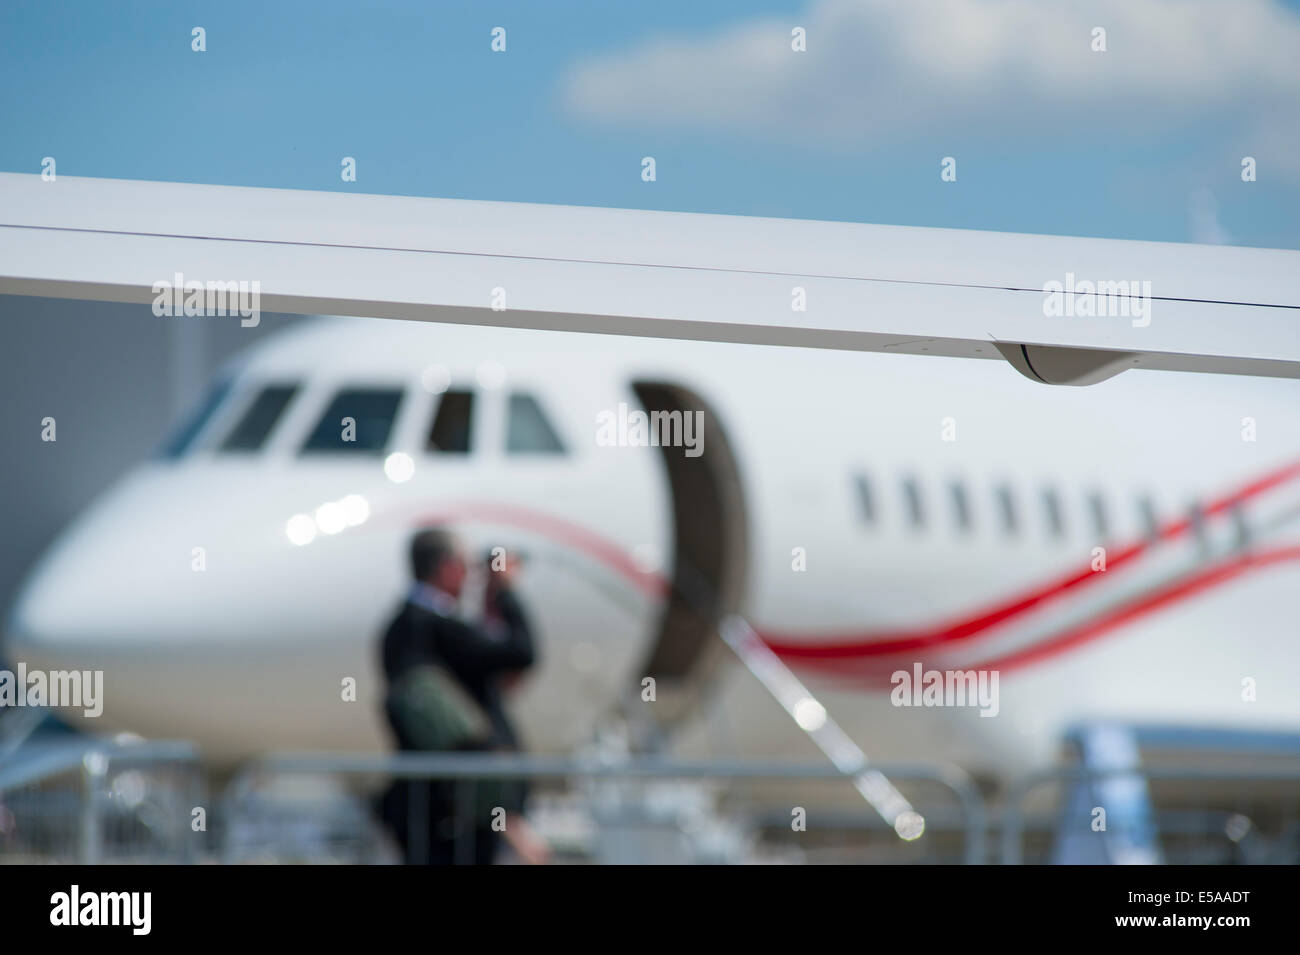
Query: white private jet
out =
(1123, 551)
(865, 513)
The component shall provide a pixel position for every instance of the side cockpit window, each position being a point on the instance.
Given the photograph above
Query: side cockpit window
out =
(357, 421)
(527, 429)
(184, 437)
(259, 419)
(450, 432)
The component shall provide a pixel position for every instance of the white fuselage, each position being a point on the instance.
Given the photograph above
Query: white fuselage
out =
(886, 498)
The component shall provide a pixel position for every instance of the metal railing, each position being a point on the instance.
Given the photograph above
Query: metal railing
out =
(1014, 816)
(76, 787)
(76, 799)
(467, 769)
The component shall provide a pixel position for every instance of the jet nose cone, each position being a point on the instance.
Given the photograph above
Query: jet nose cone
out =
(99, 612)
(39, 629)
(94, 580)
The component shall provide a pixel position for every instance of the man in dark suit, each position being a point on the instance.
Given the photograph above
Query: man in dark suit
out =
(427, 634)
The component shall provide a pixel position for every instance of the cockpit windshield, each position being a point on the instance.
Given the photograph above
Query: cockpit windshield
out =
(193, 424)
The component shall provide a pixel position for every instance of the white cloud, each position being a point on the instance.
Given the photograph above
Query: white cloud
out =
(1203, 219)
(881, 72)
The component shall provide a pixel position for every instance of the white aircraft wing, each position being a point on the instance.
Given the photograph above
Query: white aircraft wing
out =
(667, 274)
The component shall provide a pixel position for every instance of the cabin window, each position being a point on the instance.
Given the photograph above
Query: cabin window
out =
(1196, 518)
(1147, 516)
(1053, 513)
(450, 432)
(960, 506)
(357, 421)
(183, 438)
(866, 501)
(1097, 508)
(1006, 503)
(259, 419)
(527, 429)
(913, 504)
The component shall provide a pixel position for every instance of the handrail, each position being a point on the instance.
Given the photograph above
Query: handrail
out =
(812, 717)
(37, 767)
(463, 766)
(92, 760)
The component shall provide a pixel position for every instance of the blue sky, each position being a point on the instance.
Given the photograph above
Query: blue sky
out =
(1142, 141)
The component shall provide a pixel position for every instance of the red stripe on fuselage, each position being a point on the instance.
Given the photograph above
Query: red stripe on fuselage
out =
(565, 532)
(1195, 584)
(867, 649)
(874, 672)
(885, 643)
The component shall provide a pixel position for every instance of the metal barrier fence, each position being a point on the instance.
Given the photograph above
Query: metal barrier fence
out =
(92, 802)
(467, 769)
(1014, 817)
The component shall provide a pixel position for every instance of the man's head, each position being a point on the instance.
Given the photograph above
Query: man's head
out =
(437, 559)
